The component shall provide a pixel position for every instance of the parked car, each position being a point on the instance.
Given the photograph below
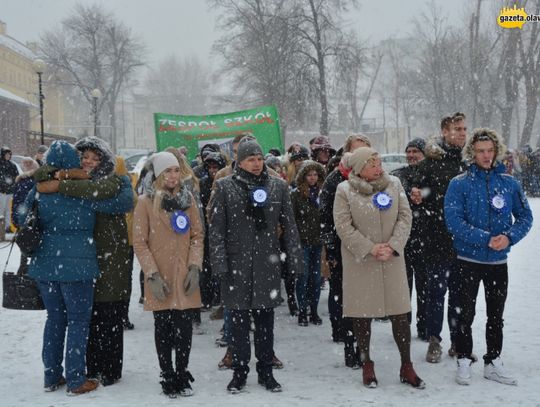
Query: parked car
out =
(391, 162)
(131, 162)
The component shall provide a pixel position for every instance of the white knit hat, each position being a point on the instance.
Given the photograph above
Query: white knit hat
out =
(163, 160)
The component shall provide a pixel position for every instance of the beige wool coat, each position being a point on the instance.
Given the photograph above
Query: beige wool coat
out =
(159, 248)
(372, 288)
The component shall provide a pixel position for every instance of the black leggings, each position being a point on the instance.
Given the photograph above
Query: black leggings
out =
(173, 331)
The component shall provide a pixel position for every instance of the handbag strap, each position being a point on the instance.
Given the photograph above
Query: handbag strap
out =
(9, 255)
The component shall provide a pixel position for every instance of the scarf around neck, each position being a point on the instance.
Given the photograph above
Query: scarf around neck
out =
(248, 182)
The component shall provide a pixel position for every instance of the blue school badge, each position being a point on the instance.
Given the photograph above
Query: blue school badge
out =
(259, 196)
(498, 202)
(180, 222)
(382, 200)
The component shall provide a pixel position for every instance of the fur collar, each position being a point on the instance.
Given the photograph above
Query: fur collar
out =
(368, 188)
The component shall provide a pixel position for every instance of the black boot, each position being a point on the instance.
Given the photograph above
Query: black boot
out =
(352, 358)
(314, 318)
(237, 384)
(268, 381)
(183, 380)
(168, 384)
(337, 330)
(293, 308)
(302, 318)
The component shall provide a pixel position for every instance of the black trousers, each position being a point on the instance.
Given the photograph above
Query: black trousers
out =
(342, 326)
(417, 271)
(263, 338)
(105, 351)
(173, 332)
(495, 279)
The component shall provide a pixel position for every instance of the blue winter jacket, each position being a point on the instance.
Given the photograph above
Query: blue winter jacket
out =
(68, 251)
(473, 218)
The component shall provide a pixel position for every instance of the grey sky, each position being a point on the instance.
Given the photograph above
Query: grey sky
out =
(187, 26)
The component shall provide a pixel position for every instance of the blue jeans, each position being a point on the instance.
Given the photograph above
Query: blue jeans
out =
(227, 320)
(308, 286)
(69, 307)
(440, 278)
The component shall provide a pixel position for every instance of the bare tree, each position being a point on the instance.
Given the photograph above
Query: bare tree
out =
(94, 50)
(178, 86)
(529, 56)
(319, 28)
(261, 53)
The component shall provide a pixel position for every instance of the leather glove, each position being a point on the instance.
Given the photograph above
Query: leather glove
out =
(48, 187)
(73, 173)
(158, 287)
(191, 283)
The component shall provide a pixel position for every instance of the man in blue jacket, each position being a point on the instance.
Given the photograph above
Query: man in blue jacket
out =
(487, 213)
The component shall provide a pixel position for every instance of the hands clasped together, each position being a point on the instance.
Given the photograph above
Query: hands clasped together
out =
(382, 251)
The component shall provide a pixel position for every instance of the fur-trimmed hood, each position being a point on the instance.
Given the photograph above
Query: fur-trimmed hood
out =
(484, 134)
(101, 148)
(305, 168)
(436, 148)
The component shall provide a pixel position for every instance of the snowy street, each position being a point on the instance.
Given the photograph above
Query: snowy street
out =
(314, 372)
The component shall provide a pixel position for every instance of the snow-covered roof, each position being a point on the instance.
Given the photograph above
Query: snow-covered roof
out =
(14, 98)
(17, 47)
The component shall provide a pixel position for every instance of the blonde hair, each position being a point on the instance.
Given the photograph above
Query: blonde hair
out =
(160, 191)
(354, 137)
(185, 170)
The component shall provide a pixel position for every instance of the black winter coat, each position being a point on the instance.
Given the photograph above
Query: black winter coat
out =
(442, 163)
(8, 174)
(419, 227)
(326, 209)
(247, 260)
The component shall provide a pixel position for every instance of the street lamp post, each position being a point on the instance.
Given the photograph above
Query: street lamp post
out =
(96, 94)
(39, 68)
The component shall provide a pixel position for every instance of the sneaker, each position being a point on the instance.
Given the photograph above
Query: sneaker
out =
(237, 384)
(408, 375)
(434, 352)
(53, 387)
(88, 386)
(184, 388)
(221, 343)
(276, 363)
(368, 375)
(128, 326)
(495, 371)
(226, 362)
(217, 314)
(463, 373)
(269, 383)
(302, 318)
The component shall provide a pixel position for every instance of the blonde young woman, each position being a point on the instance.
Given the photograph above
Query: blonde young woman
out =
(373, 220)
(168, 242)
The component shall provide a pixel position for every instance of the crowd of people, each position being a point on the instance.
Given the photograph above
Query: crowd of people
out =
(229, 232)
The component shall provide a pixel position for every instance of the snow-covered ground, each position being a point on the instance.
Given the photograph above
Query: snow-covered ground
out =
(314, 373)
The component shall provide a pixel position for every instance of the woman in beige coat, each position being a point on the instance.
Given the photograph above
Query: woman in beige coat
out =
(373, 220)
(168, 242)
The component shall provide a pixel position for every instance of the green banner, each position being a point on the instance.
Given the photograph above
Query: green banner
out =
(196, 131)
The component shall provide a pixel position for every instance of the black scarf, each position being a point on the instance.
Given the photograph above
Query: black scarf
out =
(178, 202)
(248, 182)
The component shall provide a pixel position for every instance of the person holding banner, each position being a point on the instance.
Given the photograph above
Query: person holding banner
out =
(246, 210)
(168, 242)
